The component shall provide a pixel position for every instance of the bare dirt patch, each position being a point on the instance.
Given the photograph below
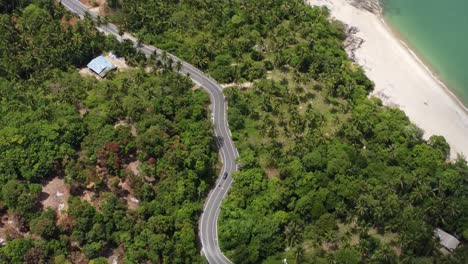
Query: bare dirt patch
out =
(133, 129)
(85, 72)
(78, 257)
(90, 197)
(246, 85)
(83, 111)
(116, 256)
(119, 62)
(133, 167)
(10, 228)
(56, 193)
(86, 3)
(72, 21)
(132, 202)
(65, 222)
(272, 173)
(196, 87)
(96, 6)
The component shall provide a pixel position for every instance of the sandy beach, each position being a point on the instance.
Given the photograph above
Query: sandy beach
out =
(401, 79)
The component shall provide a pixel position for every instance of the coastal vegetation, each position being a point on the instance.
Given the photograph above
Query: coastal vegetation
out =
(136, 149)
(327, 174)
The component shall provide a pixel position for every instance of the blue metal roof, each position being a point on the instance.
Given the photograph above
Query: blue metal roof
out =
(100, 65)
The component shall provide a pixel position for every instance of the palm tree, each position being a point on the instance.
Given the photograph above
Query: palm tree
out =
(278, 59)
(329, 236)
(139, 40)
(384, 255)
(419, 193)
(201, 61)
(105, 20)
(179, 81)
(293, 233)
(361, 208)
(153, 60)
(179, 66)
(164, 57)
(379, 215)
(299, 254)
(170, 62)
(262, 127)
(121, 31)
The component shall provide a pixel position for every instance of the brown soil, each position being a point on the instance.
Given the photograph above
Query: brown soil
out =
(85, 72)
(10, 227)
(92, 198)
(133, 167)
(196, 87)
(97, 6)
(65, 222)
(272, 173)
(120, 63)
(83, 111)
(77, 257)
(72, 21)
(329, 246)
(56, 194)
(86, 3)
(101, 171)
(132, 202)
(117, 256)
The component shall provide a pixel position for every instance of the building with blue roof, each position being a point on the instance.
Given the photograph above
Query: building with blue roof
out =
(101, 66)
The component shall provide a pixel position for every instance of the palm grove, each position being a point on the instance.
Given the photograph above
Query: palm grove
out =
(327, 175)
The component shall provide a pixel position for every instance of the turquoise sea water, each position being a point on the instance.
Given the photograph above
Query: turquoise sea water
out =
(438, 32)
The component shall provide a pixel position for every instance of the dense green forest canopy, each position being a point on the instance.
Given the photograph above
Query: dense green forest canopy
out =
(327, 173)
(56, 123)
(241, 40)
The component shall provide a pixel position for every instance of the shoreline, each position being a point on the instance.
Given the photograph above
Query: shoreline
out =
(401, 77)
(426, 65)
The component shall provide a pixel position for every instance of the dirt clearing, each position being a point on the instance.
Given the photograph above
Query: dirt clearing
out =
(55, 195)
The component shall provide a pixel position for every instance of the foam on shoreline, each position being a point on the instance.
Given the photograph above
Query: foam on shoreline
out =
(402, 78)
(425, 66)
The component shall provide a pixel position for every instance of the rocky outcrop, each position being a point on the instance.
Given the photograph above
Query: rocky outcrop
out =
(373, 6)
(352, 42)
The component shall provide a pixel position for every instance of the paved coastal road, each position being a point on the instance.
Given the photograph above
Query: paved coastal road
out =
(208, 222)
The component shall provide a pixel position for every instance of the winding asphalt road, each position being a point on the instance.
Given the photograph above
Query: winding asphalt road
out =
(209, 218)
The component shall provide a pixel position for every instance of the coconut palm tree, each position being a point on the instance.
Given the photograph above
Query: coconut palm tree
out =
(361, 208)
(293, 233)
(164, 57)
(121, 31)
(299, 253)
(178, 66)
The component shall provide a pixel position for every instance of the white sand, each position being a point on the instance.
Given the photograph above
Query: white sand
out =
(402, 79)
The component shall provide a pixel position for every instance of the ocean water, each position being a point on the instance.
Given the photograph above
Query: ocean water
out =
(438, 32)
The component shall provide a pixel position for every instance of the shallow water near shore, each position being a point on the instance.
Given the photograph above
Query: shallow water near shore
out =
(438, 32)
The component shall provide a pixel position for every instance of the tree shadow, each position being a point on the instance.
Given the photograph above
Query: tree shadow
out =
(219, 141)
(43, 196)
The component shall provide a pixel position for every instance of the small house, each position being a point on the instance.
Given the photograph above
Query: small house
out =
(448, 241)
(101, 66)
